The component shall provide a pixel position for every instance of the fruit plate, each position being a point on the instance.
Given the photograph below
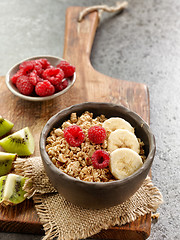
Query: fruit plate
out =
(89, 87)
(54, 61)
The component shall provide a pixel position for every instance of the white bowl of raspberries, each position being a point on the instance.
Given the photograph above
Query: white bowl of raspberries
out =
(40, 78)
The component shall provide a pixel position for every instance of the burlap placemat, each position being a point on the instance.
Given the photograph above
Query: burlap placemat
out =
(63, 220)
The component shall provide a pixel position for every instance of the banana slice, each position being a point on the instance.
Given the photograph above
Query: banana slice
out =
(123, 139)
(115, 123)
(124, 162)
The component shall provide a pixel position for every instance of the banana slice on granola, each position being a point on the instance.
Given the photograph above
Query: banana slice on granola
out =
(124, 162)
(115, 123)
(123, 139)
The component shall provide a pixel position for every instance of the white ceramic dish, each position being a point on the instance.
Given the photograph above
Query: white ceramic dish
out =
(53, 61)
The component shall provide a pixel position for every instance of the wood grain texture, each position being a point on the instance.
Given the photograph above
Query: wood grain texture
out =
(90, 86)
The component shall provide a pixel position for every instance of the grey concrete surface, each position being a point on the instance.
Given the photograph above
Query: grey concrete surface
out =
(142, 45)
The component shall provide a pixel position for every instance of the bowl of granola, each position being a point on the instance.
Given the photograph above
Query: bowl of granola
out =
(97, 155)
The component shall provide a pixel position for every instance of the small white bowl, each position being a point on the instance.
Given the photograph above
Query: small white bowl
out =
(53, 61)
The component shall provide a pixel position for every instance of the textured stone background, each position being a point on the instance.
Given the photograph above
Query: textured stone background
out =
(142, 45)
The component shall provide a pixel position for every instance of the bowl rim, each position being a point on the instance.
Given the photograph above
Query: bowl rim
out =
(36, 99)
(145, 166)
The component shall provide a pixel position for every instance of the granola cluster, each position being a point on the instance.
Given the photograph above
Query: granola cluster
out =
(76, 161)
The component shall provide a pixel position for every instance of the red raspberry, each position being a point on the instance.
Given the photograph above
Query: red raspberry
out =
(67, 68)
(57, 79)
(16, 75)
(54, 75)
(24, 85)
(38, 67)
(60, 75)
(74, 135)
(34, 78)
(59, 87)
(100, 159)
(44, 62)
(97, 134)
(27, 66)
(50, 72)
(44, 88)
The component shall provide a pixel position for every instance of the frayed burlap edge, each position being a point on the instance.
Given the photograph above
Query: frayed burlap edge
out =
(52, 230)
(50, 227)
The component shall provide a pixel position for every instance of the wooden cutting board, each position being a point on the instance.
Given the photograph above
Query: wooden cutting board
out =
(90, 86)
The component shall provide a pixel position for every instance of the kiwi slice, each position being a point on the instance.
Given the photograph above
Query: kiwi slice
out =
(6, 162)
(5, 126)
(11, 189)
(2, 184)
(20, 142)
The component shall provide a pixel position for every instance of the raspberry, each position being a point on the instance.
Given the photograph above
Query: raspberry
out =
(44, 62)
(44, 88)
(60, 75)
(24, 85)
(74, 135)
(54, 75)
(59, 87)
(16, 75)
(57, 79)
(34, 78)
(50, 72)
(67, 68)
(100, 159)
(27, 66)
(97, 134)
(38, 67)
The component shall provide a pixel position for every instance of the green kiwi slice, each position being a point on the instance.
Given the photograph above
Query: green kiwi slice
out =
(12, 189)
(2, 184)
(6, 162)
(5, 126)
(20, 142)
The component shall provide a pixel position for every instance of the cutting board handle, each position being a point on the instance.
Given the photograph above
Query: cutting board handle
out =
(79, 36)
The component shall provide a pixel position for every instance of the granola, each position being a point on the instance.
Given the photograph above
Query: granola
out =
(76, 161)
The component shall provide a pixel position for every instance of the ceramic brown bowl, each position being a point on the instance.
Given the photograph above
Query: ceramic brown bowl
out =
(93, 194)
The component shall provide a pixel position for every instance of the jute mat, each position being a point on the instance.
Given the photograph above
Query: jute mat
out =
(63, 220)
